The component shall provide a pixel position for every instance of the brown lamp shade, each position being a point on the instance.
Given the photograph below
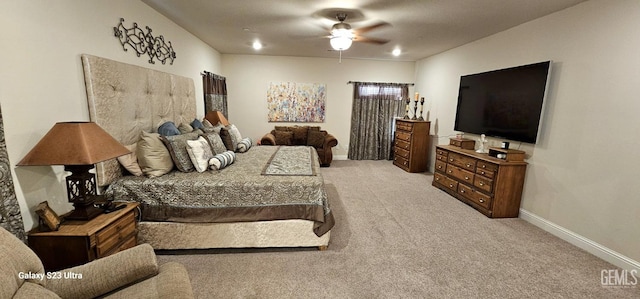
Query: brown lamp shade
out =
(74, 143)
(215, 117)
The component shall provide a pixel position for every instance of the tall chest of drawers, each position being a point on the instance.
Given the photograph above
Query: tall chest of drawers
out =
(491, 185)
(411, 145)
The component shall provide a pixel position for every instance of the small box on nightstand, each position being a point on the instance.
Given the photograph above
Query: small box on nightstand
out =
(464, 143)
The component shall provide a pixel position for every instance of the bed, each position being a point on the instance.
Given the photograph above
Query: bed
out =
(251, 203)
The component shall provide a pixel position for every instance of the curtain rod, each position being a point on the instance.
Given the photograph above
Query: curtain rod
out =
(351, 82)
(205, 73)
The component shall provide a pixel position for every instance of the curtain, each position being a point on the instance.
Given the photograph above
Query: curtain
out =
(375, 106)
(10, 217)
(215, 93)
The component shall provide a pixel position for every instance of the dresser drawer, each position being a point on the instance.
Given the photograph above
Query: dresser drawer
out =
(485, 184)
(445, 181)
(114, 235)
(400, 161)
(398, 152)
(460, 174)
(441, 158)
(441, 152)
(404, 126)
(478, 198)
(487, 173)
(403, 144)
(441, 166)
(462, 161)
(482, 165)
(403, 136)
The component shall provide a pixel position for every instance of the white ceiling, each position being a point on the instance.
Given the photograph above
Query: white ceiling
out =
(420, 28)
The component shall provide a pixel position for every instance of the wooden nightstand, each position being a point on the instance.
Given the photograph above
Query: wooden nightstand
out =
(78, 242)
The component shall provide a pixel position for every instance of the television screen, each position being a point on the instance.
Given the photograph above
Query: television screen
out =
(504, 103)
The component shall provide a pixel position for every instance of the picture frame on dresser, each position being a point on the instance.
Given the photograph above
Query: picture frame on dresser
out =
(48, 220)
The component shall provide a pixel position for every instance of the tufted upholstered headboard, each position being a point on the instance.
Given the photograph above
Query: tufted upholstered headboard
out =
(125, 99)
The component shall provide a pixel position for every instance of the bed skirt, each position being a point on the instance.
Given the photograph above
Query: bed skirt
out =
(258, 234)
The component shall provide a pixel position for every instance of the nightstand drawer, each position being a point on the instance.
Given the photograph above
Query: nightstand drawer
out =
(403, 136)
(441, 166)
(113, 235)
(403, 144)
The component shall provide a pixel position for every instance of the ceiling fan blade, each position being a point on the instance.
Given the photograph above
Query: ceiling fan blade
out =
(377, 41)
(371, 27)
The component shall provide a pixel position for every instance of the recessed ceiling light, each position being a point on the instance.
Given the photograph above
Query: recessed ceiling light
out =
(396, 52)
(257, 45)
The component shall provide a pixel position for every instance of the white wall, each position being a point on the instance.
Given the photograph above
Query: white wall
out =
(249, 76)
(583, 170)
(41, 79)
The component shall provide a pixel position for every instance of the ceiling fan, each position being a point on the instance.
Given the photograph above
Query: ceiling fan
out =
(342, 35)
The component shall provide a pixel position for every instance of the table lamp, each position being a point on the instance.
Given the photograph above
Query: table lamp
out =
(77, 146)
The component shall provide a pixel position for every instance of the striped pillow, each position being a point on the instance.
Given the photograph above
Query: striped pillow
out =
(244, 144)
(223, 160)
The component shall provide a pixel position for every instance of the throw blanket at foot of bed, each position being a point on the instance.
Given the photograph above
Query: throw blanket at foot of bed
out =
(291, 160)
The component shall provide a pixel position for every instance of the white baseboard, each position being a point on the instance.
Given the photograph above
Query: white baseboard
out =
(340, 157)
(590, 246)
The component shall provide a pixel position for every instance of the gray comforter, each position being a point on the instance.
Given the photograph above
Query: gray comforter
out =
(239, 192)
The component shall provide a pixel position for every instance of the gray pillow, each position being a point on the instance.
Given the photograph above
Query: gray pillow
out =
(177, 146)
(215, 142)
(168, 129)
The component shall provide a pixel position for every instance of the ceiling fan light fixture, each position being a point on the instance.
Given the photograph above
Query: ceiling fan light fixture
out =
(340, 43)
(257, 45)
(396, 52)
(341, 38)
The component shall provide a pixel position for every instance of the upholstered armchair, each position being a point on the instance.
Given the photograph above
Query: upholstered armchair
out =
(303, 135)
(132, 273)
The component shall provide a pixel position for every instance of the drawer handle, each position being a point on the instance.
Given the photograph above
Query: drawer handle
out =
(437, 179)
(466, 178)
(481, 200)
(450, 171)
(484, 166)
(462, 191)
(450, 159)
(468, 165)
(450, 185)
(481, 184)
(482, 172)
(439, 166)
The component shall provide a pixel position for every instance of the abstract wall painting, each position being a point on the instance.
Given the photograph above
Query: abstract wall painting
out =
(296, 102)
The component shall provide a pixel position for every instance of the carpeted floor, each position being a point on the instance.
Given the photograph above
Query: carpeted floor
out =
(398, 237)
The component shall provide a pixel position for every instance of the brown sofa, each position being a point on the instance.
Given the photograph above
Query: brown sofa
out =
(303, 135)
(132, 273)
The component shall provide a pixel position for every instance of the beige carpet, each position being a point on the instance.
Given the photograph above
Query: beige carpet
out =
(398, 237)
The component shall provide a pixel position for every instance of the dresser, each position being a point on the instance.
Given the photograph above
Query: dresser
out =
(411, 145)
(78, 242)
(491, 183)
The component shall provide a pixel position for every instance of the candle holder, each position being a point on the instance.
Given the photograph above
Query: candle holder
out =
(406, 110)
(421, 109)
(415, 109)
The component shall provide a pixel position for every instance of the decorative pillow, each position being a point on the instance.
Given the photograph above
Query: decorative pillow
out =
(168, 129)
(314, 128)
(208, 127)
(223, 160)
(299, 135)
(153, 156)
(200, 153)
(235, 133)
(215, 142)
(244, 145)
(130, 161)
(316, 138)
(197, 124)
(177, 146)
(185, 128)
(282, 128)
(229, 142)
(283, 137)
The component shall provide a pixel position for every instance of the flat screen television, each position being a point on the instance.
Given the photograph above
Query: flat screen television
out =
(505, 103)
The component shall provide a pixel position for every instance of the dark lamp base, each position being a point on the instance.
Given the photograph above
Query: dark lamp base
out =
(86, 212)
